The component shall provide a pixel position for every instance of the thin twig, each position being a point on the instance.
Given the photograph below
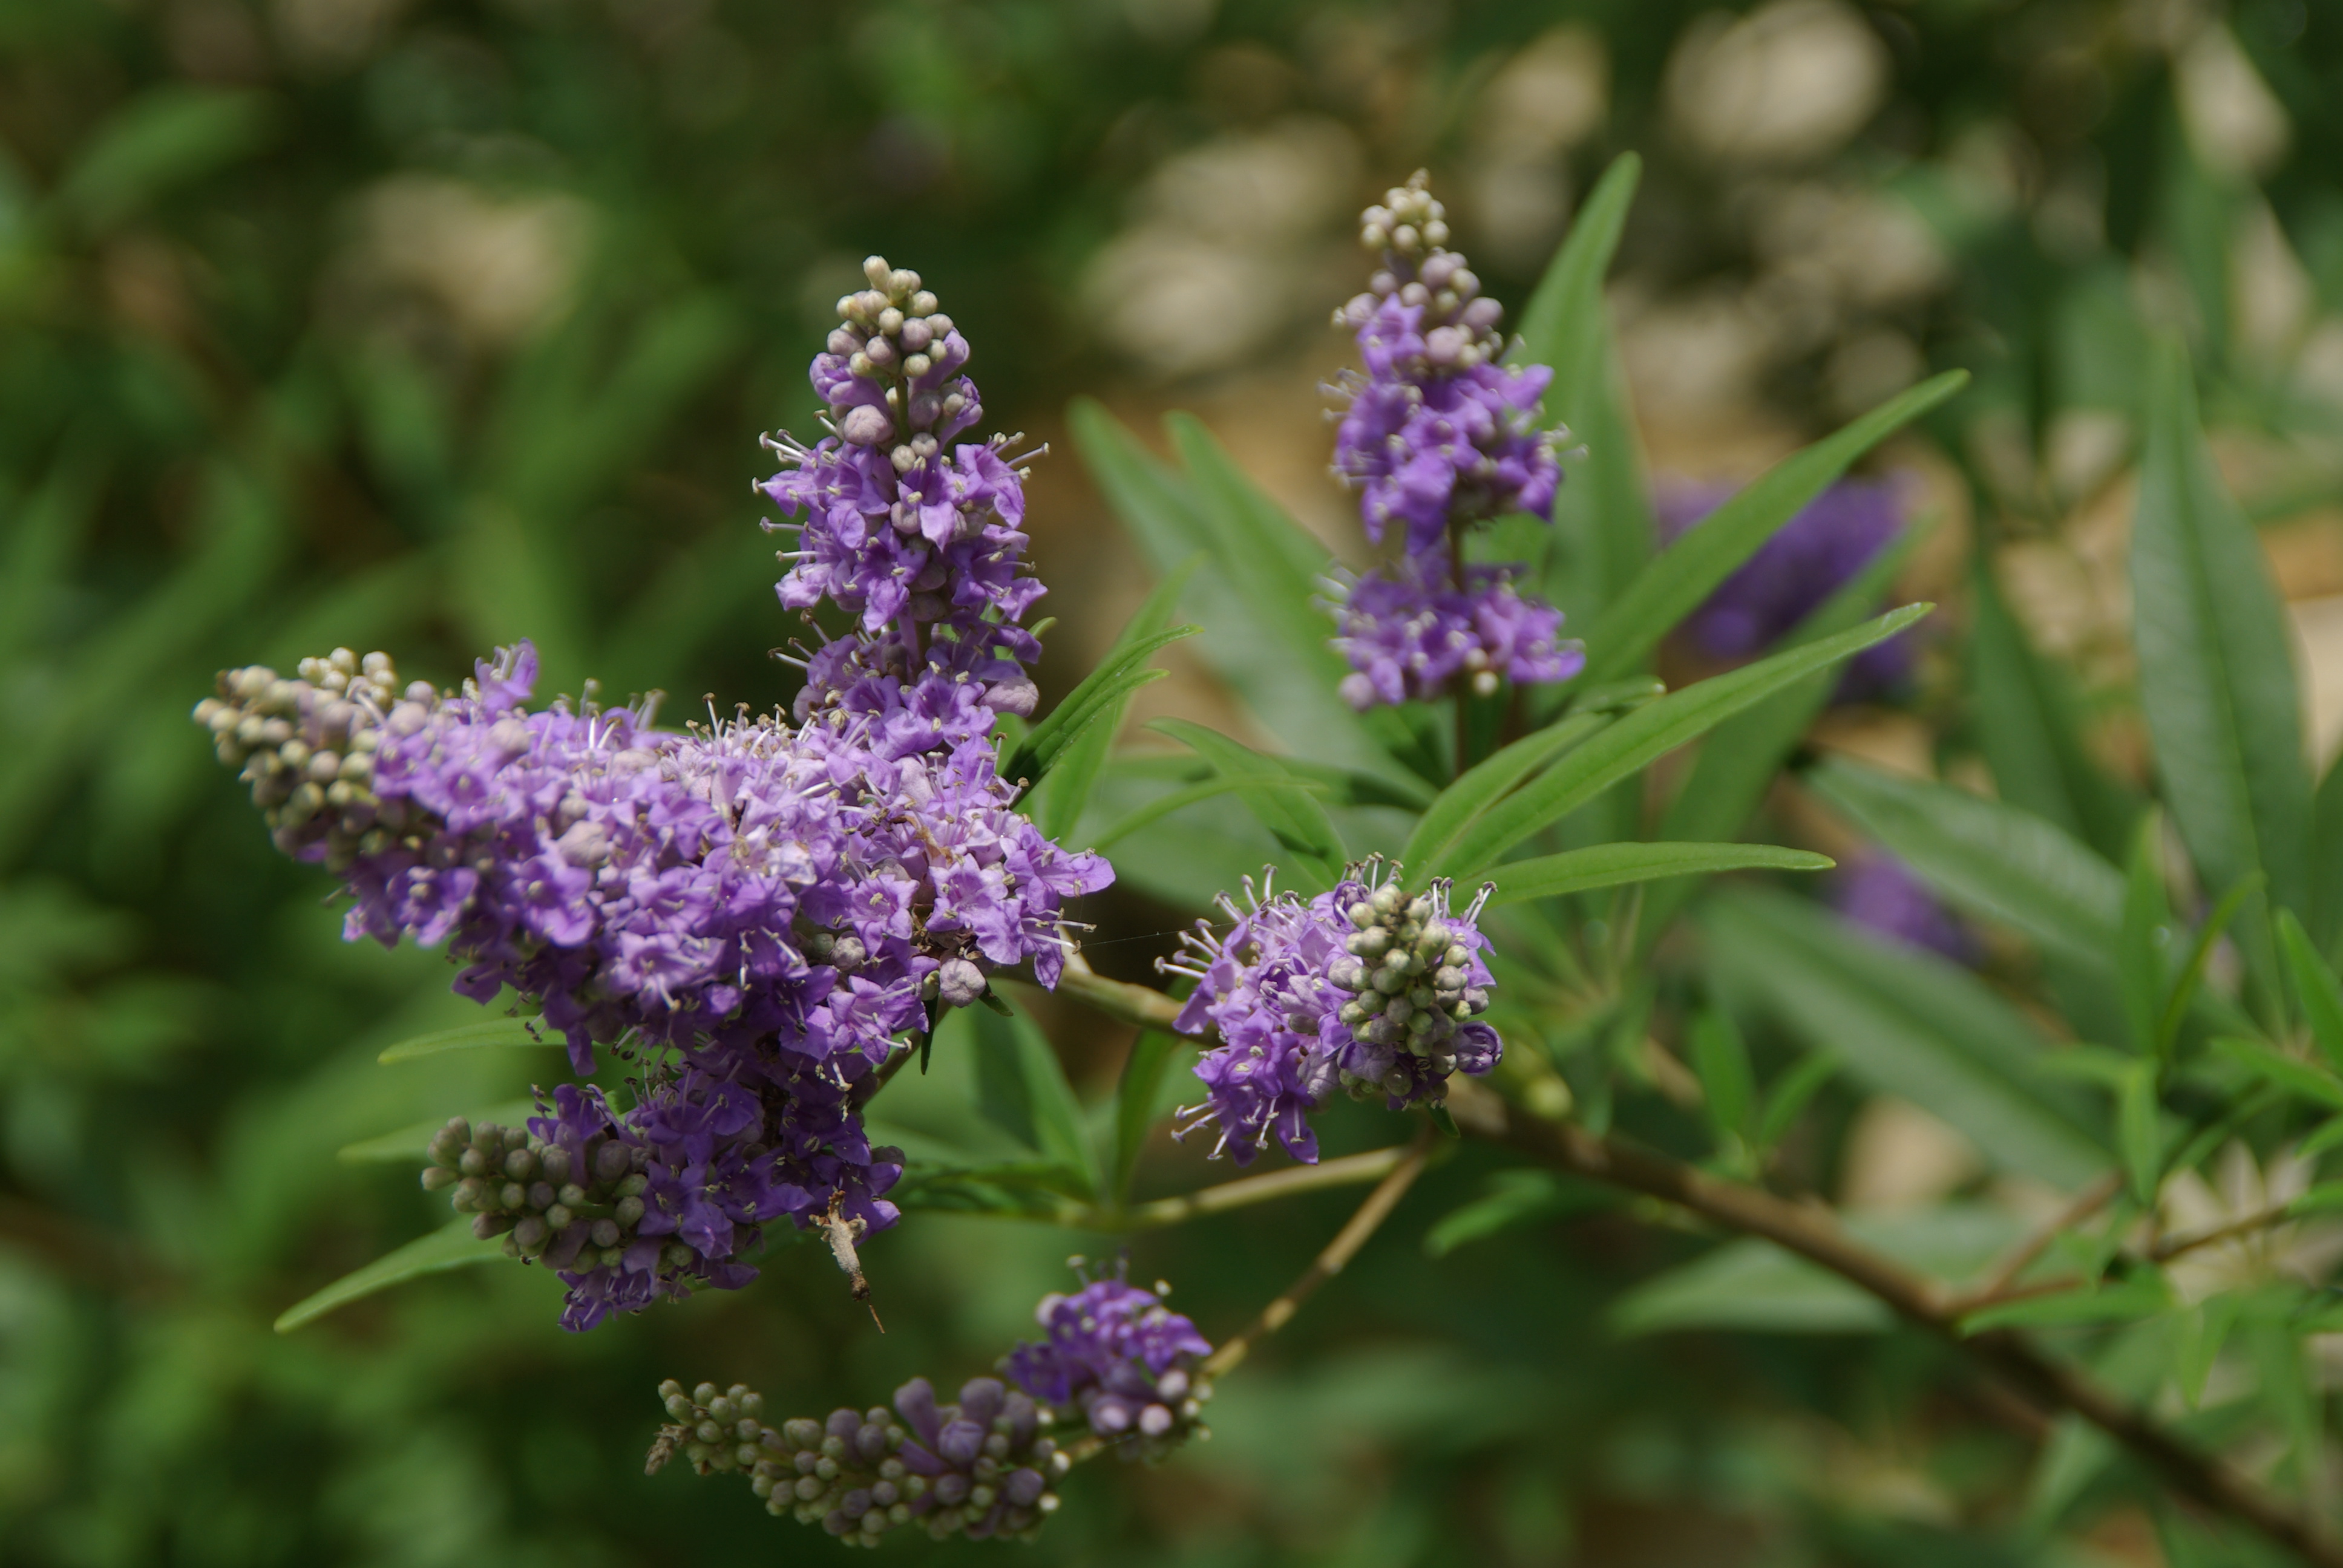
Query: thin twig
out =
(1135, 1004)
(2020, 1257)
(1816, 1237)
(1249, 1190)
(2172, 1247)
(1328, 1264)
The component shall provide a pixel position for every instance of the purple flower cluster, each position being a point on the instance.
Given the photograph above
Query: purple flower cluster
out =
(1115, 1356)
(1119, 1358)
(919, 542)
(1407, 638)
(1361, 987)
(756, 908)
(1879, 894)
(1439, 436)
(1809, 558)
(981, 1466)
(773, 905)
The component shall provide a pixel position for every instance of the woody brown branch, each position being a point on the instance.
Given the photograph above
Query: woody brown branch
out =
(1816, 1237)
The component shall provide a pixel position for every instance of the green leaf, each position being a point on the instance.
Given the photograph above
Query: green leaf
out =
(2202, 1330)
(2125, 1301)
(1163, 806)
(1514, 1199)
(1790, 1094)
(1909, 1023)
(2146, 918)
(1645, 734)
(2030, 727)
(1757, 1285)
(1673, 586)
(2184, 985)
(411, 1145)
(2315, 991)
(1463, 802)
(1295, 699)
(1721, 1059)
(1278, 568)
(2323, 1199)
(2326, 913)
(1603, 516)
(2216, 682)
(1104, 691)
(1292, 817)
(2303, 1080)
(1990, 858)
(1611, 865)
(2138, 1132)
(450, 1247)
(1077, 766)
(164, 137)
(493, 1033)
(1022, 1090)
(1136, 1100)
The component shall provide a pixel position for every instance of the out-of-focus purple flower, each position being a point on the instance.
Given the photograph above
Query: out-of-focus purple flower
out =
(981, 1466)
(1811, 557)
(1408, 637)
(1879, 893)
(1361, 986)
(1440, 435)
(1119, 1358)
(920, 542)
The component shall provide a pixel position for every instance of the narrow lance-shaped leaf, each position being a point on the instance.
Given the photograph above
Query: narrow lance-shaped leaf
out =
(1292, 817)
(493, 1033)
(1279, 570)
(1688, 571)
(1989, 856)
(2217, 680)
(1739, 758)
(2146, 923)
(1151, 1058)
(1603, 516)
(1105, 691)
(450, 1247)
(1022, 1090)
(1077, 767)
(1645, 734)
(2315, 991)
(1180, 799)
(1721, 1060)
(2030, 727)
(1160, 506)
(1614, 865)
(1460, 805)
(2303, 1080)
(1907, 1023)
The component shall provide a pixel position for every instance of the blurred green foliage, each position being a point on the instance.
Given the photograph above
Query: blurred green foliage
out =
(427, 325)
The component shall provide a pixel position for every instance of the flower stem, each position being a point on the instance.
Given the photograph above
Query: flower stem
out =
(1339, 1252)
(1816, 1237)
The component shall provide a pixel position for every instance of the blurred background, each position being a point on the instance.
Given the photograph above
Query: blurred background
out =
(422, 325)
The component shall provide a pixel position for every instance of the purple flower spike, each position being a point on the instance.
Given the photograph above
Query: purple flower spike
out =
(1361, 986)
(1408, 637)
(1120, 1359)
(1809, 558)
(981, 1466)
(1440, 436)
(921, 542)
